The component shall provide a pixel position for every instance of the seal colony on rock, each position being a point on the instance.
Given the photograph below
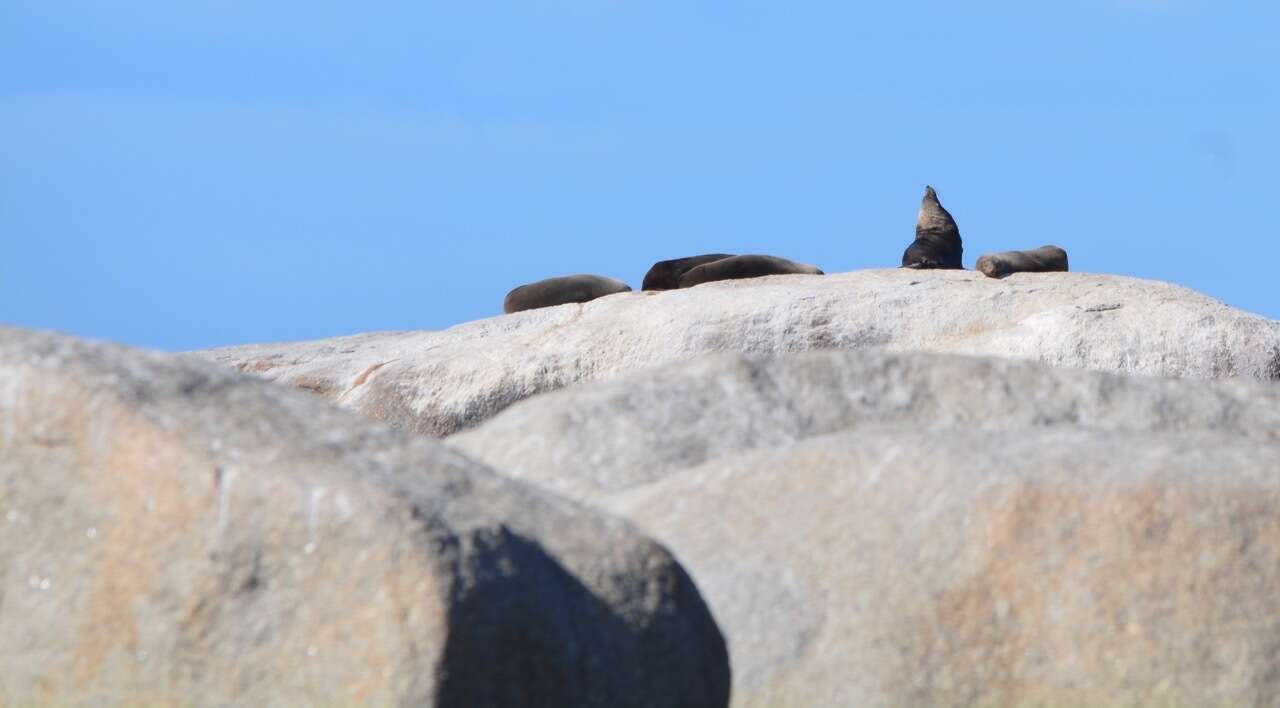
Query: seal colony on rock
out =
(559, 291)
(937, 243)
(1041, 260)
(665, 275)
(749, 266)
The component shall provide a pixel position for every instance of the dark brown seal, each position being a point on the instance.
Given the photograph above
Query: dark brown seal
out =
(751, 266)
(937, 243)
(1042, 260)
(665, 275)
(558, 291)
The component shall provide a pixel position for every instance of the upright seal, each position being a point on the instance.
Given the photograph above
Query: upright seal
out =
(751, 266)
(562, 290)
(937, 243)
(1042, 260)
(665, 275)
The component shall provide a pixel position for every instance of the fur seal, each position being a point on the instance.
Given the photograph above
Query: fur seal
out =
(937, 243)
(1042, 260)
(558, 291)
(737, 267)
(665, 275)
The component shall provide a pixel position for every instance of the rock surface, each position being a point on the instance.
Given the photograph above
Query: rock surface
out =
(873, 528)
(441, 382)
(1053, 567)
(637, 429)
(177, 533)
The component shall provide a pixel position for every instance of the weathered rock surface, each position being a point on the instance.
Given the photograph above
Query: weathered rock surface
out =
(176, 533)
(441, 382)
(614, 435)
(885, 529)
(1053, 567)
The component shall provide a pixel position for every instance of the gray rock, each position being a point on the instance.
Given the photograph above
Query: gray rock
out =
(638, 428)
(886, 529)
(441, 382)
(177, 533)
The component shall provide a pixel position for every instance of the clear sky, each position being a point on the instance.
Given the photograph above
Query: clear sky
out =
(189, 174)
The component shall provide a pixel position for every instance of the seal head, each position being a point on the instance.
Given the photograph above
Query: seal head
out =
(749, 266)
(665, 275)
(1041, 260)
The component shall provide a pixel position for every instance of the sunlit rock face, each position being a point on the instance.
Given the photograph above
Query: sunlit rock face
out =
(621, 434)
(879, 528)
(1082, 515)
(438, 383)
(176, 533)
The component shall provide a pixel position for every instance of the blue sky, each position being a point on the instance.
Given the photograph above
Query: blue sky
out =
(188, 174)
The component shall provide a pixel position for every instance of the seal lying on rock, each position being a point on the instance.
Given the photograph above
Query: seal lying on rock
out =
(665, 275)
(751, 266)
(558, 291)
(937, 243)
(1041, 260)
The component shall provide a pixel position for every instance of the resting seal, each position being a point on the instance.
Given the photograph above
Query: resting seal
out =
(558, 291)
(736, 267)
(665, 275)
(1041, 260)
(937, 243)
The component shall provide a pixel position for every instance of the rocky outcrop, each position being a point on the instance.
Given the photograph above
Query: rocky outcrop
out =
(1052, 567)
(637, 429)
(873, 528)
(177, 533)
(441, 382)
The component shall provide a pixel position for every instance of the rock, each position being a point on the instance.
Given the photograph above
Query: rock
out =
(634, 430)
(177, 533)
(441, 382)
(873, 528)
(1050, 567)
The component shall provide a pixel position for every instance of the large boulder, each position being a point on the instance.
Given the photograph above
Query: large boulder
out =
(634, 430)
(873, 528)
(441, 382)
(178, 533)
(1046, 567)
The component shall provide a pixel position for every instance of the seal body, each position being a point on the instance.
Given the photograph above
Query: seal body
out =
(1042, 260)
(751, 266)
(558, 291)
(937, 243)
(665, 275)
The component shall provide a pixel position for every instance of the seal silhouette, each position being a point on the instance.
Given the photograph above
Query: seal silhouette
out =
(558, 291)
(1041, 260)
(749, 266)
(665, 275)
(937, 243)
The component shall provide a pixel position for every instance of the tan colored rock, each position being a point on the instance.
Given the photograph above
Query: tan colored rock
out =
(885, 529)
(442, 382)
(1047, 567)
(174, 533)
